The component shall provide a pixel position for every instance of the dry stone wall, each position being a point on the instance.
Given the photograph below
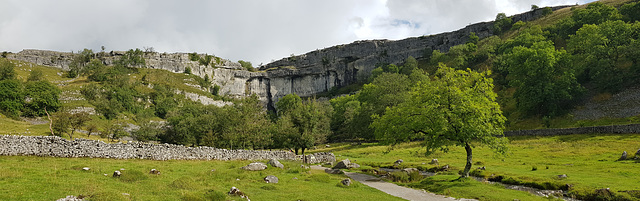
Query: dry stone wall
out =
(321, 157)
(54, 146)
(614, 129)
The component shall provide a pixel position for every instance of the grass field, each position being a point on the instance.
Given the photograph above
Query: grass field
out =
(589, 161)
(41, 178)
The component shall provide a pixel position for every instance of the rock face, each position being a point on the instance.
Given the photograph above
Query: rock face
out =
(306, 75)
(257, 166)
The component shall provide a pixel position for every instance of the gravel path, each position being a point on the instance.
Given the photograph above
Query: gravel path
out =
(392, 189)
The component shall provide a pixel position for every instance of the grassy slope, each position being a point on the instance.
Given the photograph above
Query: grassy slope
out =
(588, 160)
(37, 178)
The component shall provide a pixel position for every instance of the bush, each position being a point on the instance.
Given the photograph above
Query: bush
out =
(216, 90)
(194, 56)
(187, 70)
(399, 176)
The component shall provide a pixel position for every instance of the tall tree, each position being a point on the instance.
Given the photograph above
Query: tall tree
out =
(455, 108)
(310, 121)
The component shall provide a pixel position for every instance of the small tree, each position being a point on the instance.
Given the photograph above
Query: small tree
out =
(77, 121)
(6, 70)
(454, 108)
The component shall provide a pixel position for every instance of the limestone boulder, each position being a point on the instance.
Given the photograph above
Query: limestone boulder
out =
(271, 179)
(346, 182)
(275, 163)
(333, 171)
(257, 166)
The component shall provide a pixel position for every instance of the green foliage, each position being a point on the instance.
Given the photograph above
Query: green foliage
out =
(194, 56)
(410, 64)
(534, 7)
(132, 176)
(545, 81)
(216, 90)
(77, 65)
(132, 58)
(303, 125)
(601, 51)
(454, 108)
(501, 24)
(35, 75)
(547, 11)
(11, 97)
(40, 95)
(631, 11)
(6, 70)
(187, 70)
(518, 25)
(595, 13)
(114, 131)
(206, 60)
(247, 65)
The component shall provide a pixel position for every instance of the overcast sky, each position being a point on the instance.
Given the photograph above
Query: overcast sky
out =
(254, 30)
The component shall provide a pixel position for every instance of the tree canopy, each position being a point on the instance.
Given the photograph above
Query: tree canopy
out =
(454, 108)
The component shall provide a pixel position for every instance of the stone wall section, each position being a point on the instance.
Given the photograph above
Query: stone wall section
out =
(321, 157)
(613, 129)
(53, 146)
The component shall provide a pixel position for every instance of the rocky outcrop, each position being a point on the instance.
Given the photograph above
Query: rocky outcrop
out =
(306, 75)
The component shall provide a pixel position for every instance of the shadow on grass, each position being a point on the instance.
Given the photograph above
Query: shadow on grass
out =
(439, 184)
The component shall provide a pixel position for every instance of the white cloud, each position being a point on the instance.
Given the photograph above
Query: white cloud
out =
(253, 30)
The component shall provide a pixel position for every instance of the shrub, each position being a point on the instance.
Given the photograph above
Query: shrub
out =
(187, 70)
(194, 56)
(399, 176)
(216, 90)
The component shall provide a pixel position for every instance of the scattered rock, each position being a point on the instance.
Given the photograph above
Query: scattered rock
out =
(445, 168)
(86, 168)
(237, 192)
(106, 175)
(434, 161)
(213, 170)
(329, 163)
(399, 161)
(624, 156)
(256, 166)
(333, 171)
(345, 164)
(122, 169)
(603, 192)
(70, 198)
(116, 173)
(154, 171)
(346, 182)
(410, 170)
(271, 179)
(294, 178)
(327, 146)
(275, 163)
(638, 153)
(562, 176)
(126, 194)
(482, 168)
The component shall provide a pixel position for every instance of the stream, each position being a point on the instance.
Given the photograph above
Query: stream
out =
(543, 193)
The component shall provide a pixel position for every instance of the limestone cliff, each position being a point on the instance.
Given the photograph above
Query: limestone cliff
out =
(308, 74)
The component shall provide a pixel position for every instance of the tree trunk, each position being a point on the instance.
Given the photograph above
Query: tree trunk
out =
(467, 167)
(296, 151)
(303, 151)
(50, 121)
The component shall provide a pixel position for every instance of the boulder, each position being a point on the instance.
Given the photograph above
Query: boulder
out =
(562, 176)
(333, 171)
(345, 164)
(271, 179)
(399, 161)
(346, 182)
(445, 168)
(482, 168)
(638, 153)
(434, 161)
(71, 198)
(275, 163)
(624, 156)
(116, 173)
(154, 171)
(410, 170)
(86, 168)
(257, 166)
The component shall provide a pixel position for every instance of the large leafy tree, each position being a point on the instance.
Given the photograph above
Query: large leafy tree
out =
(544, 78)
(310, 121)
(454, 108)
(40, 95)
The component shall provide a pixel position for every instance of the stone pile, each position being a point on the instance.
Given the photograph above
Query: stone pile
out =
(321, 157)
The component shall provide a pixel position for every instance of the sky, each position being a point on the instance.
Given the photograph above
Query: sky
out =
(258, 31)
